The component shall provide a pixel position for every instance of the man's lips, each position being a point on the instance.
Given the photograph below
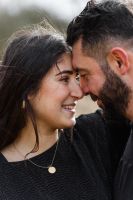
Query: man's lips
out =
(100, 104)
(94, 97)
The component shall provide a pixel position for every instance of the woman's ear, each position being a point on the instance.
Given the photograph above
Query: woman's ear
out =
(117, 59)
(30, 96)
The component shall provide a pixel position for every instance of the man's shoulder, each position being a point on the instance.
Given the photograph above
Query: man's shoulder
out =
(91, 120)
(91, 127)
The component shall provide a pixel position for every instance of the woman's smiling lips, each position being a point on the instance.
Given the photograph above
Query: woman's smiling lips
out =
(69, 107)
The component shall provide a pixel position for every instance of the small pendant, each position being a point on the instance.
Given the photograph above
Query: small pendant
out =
(51, 170)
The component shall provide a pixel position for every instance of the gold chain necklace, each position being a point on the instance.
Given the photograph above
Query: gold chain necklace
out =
(51, 168)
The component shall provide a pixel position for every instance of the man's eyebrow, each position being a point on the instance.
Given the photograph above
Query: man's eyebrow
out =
(78, 69)
(65, 72)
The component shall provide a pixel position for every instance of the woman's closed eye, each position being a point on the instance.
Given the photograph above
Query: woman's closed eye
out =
(64, 79)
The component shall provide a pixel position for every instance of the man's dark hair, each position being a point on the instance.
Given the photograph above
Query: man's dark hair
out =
(100, 24)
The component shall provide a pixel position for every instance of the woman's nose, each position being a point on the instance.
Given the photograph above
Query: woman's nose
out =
(77, 91)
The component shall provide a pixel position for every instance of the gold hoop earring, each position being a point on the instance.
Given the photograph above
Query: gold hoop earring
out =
(23, 104)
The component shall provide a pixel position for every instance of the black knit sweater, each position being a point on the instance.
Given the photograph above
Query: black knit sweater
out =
(84, 170)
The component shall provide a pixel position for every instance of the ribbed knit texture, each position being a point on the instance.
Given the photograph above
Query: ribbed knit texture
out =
(83, 168)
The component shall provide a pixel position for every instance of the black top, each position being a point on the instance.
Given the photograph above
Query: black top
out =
(124, 177)
(84, 167)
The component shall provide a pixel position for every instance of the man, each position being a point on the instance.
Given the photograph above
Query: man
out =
(102, 43)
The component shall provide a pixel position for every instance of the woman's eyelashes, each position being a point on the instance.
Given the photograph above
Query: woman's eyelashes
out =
(64, 78)
(67, 77)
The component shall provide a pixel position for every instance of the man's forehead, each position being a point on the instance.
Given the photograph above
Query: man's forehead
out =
(77, 45)
(80, 69)
(77, 56)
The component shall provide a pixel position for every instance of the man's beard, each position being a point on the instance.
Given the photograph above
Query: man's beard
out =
(115, 94)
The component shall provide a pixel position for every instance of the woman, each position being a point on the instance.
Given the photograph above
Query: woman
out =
(39, 93)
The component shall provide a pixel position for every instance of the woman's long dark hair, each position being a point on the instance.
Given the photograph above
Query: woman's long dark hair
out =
(28, 57)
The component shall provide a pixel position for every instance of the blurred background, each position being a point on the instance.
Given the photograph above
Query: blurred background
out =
(18, 13)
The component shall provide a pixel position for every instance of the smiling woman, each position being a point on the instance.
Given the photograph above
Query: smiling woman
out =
(58, 95)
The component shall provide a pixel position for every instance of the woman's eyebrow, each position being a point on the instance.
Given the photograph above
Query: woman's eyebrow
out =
(65, 72)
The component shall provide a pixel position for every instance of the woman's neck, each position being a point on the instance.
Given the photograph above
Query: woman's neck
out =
(26, 142)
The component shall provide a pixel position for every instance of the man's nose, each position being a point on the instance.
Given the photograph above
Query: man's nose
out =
(85, 88)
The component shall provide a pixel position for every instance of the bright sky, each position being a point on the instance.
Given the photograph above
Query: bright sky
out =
(65, 9)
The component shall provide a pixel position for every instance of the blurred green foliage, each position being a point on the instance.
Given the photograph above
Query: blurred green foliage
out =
(9, 23)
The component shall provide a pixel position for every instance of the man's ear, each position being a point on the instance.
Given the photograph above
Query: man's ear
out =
(117, 59)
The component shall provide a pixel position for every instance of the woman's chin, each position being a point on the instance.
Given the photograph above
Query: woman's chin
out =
(70, 123)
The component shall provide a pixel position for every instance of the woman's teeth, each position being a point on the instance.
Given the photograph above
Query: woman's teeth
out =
(69, 108)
